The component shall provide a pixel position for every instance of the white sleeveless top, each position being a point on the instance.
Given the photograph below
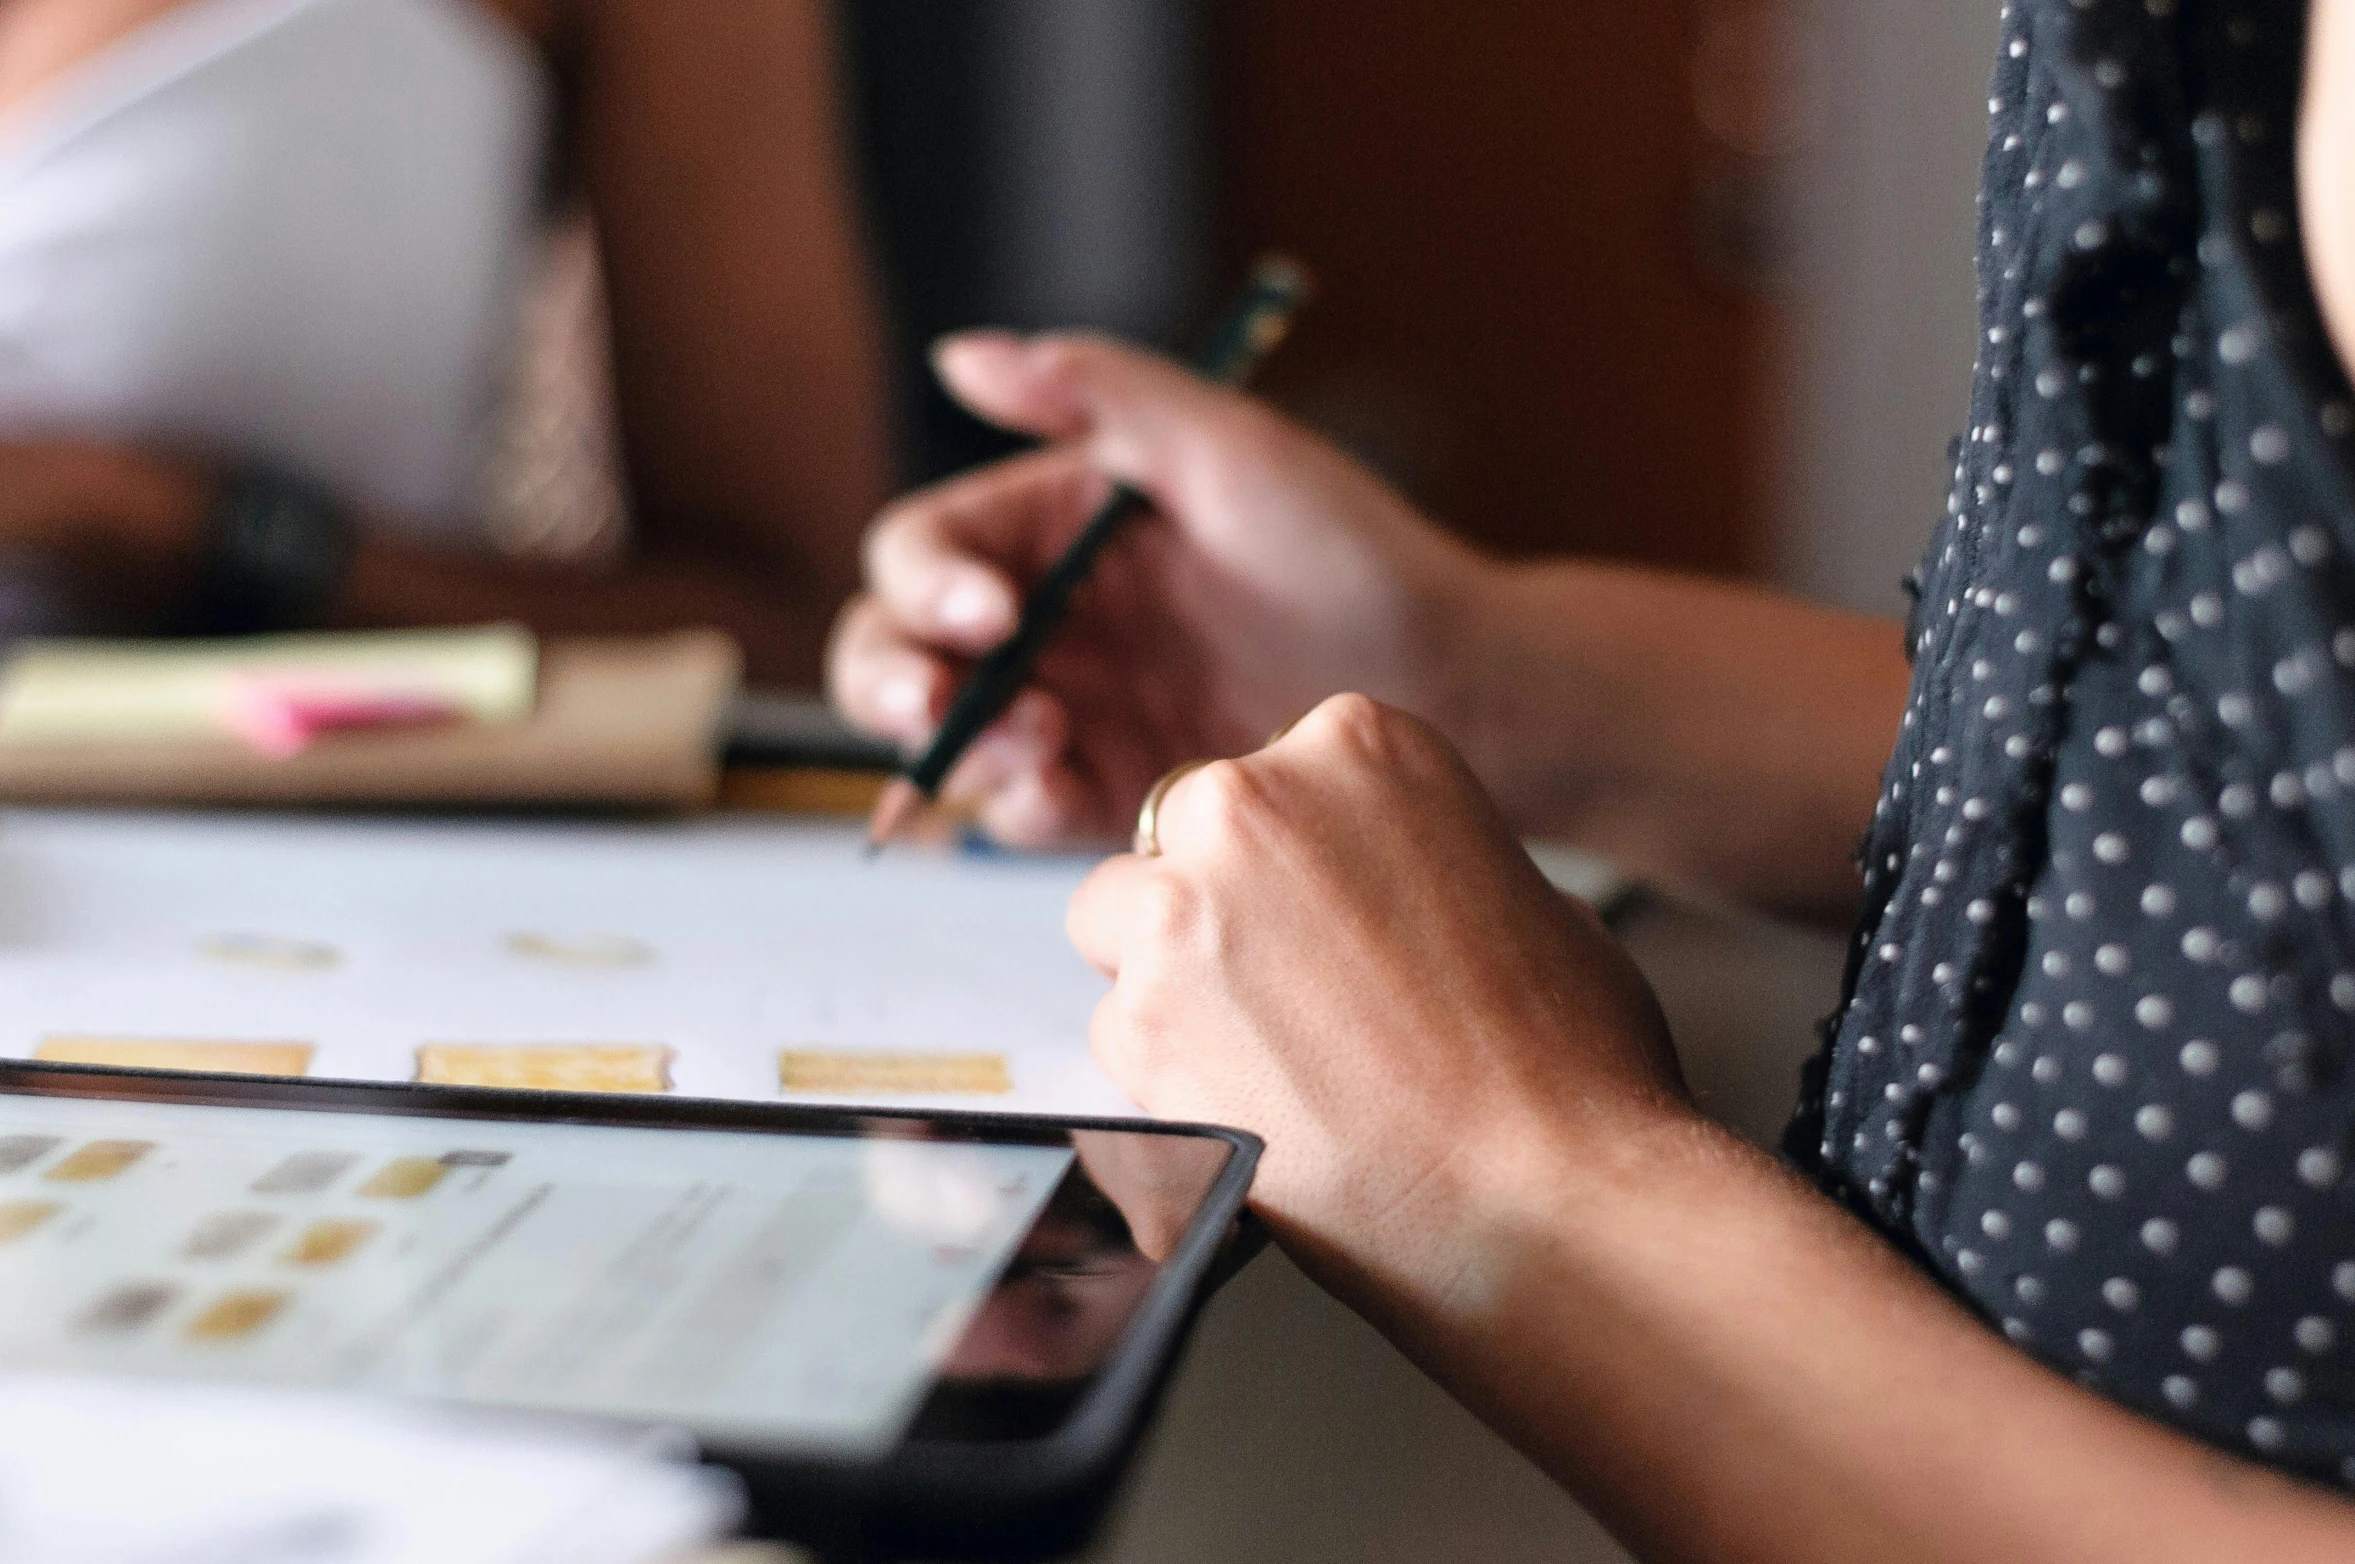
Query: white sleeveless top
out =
(287, 230)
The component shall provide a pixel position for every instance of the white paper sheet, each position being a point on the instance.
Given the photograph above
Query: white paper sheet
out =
(96, 1471)
(728, 940)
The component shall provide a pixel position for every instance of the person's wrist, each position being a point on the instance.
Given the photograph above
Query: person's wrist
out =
(1452, 634)
(1460, 1224)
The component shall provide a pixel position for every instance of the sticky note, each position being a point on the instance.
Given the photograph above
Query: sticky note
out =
(404, 1178)
(328, 1243)
(236, 1315)
(839, 1074)
(20, 1217)
(156, 1053)
(227, 1234)
(305, 1173)
(588, 1067)
(161, 692)
(98, 1161)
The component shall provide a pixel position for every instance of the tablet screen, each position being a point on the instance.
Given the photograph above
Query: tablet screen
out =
(823, 1290)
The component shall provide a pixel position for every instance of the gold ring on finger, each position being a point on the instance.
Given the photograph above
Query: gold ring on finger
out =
(1148, 838)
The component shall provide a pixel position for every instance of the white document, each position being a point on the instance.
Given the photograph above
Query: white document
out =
(96, 1471)
(730, 941)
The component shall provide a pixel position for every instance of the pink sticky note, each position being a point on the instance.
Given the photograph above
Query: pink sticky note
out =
(282, 717)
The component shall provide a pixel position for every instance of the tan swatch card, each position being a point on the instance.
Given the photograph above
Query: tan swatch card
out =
(160, 1053)
(237, 1315)
(98, 1161)
(403, 1178)
(589, 1067)
(839, 1074)
(20, 1217)
(328, 1243)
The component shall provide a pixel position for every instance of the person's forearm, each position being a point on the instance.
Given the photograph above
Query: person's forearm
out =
(779, 617)
(1724, 1366)
(1713, 737)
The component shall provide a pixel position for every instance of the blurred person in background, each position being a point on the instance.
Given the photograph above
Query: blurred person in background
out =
(2061, 1263)
(305, 309)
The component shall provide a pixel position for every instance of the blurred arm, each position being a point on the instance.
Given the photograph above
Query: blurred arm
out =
(1712, 737)
(747, 353)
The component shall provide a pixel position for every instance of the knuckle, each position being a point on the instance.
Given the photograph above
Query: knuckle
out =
(1379, 736)
(1229, 800)
(1169, 910)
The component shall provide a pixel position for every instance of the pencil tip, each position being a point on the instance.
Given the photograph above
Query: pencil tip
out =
(899, 801)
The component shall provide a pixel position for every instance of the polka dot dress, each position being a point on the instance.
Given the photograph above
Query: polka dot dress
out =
(2093, 1069)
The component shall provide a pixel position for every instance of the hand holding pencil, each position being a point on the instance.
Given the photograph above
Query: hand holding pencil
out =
(1269, 571)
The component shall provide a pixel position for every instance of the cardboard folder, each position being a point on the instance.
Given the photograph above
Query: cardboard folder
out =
(626, 722)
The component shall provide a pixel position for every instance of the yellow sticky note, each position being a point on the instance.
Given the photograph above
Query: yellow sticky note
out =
(588, 1067)
(20, 1217)
(404, 1178)
(328, 1243)
(838, 1074)
(157, 1053)
(236, 1315)
(98, 1161)
(160, 692)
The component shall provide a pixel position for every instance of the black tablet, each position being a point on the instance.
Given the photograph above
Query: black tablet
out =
(913, 1335)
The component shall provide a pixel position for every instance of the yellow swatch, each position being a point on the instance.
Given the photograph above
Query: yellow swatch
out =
(157, 1053)
(896, 1075)
(329, 1243)
(236, 1315)
(269, 952)
(590, 951)
(19, 1217)
(404, 1178)
(98, 1161)
(548, 1068)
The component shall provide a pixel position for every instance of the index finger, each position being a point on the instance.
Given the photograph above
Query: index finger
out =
(947, 563)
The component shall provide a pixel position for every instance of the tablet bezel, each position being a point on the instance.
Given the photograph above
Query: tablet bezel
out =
(1020, 1498)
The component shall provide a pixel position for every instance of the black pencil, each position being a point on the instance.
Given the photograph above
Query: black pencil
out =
(1260, 320)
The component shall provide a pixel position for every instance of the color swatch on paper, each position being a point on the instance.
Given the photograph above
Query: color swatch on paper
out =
(593, 1067)
(236, 1315)
(157, 1053)
(127, 1308)
(586, 951)
(227, 1235)
(269, 953)
(328, 1243)
(18, 1218)
(403, 1178)
(305, 1173)
(19, 1152)
(895, 1074)
(98, 1161)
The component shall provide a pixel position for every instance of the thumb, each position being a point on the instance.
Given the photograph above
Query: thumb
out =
(1138, 415)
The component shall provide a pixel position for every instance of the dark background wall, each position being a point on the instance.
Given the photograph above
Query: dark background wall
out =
(1535, 313)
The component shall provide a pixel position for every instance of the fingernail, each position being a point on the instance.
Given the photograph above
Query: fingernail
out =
(902, 698)
(969, 604)
(970, 344)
